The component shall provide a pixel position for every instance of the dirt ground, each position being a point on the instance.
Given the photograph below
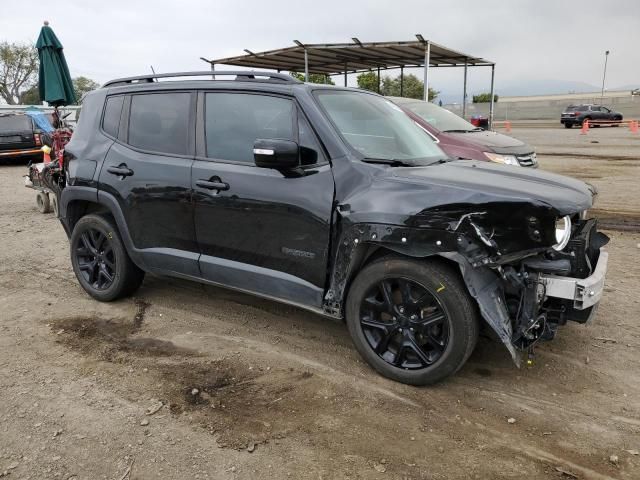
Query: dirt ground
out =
(186, 381)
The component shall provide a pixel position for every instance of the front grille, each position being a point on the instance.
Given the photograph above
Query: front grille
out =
(527, 160)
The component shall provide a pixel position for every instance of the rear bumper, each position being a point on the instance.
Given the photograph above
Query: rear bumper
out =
(583, 292)
(19, 153)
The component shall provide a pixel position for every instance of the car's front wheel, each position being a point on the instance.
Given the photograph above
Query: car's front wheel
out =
(100, 260)
(412, 320)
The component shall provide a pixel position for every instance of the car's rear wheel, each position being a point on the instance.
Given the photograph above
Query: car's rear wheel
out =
(42, 202)
(100, 261)
(568, 125)
(413, 321)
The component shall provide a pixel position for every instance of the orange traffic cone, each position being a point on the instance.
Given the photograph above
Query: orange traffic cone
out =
(507, 126)
(585, 128)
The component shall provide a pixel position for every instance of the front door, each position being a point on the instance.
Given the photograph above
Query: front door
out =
(259, 229)
(148, 171)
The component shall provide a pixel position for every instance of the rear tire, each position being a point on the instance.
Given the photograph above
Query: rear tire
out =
(100, 261)
(42, 201)
(421, 330)
(568, 125)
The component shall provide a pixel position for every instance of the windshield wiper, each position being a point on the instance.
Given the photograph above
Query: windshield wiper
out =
(388, 161)
(477, 129)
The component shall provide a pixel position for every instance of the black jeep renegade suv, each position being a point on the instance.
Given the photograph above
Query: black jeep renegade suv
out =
(331, 199)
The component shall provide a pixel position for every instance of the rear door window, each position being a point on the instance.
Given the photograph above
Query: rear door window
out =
(233, 122)
(159, 122)
(112, 111)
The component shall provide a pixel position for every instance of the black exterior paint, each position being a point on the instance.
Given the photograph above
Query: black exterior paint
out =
(301, 236)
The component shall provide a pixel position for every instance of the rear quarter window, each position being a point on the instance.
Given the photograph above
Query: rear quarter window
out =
(112, 112)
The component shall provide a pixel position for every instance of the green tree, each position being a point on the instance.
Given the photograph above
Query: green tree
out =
(83, 85)
(390, 86)
(484, 98)
(314, 78)
(368, 81)
(31, 96)
(18, 70)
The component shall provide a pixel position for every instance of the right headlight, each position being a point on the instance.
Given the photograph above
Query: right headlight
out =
(563, 232)
(504, 159)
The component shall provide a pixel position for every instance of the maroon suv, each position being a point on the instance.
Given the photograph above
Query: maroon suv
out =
(459, 139)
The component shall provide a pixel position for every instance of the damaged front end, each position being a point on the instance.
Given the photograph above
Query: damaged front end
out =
(527, 277)
(525, 296)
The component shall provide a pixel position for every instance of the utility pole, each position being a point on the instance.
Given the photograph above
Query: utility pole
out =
(604, 74)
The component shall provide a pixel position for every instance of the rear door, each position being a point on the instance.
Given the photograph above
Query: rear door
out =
(264, 230)
(148, 171)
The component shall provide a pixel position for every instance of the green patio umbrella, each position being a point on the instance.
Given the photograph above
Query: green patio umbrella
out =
(54, 81)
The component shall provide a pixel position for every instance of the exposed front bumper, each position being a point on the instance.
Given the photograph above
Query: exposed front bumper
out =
(584, 292)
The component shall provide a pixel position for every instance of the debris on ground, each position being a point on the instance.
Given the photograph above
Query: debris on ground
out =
(154, 408)
(511, 420)
(566, 472)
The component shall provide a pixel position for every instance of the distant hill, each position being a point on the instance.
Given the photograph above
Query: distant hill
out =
(521, 87)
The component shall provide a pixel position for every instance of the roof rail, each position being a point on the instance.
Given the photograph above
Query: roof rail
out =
(243, 76)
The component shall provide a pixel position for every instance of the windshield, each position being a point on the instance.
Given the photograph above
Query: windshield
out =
(378, 129)
(439, 118)
(15, 123)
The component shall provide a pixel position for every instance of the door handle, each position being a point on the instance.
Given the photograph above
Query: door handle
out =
(121, 170)
(212, 185)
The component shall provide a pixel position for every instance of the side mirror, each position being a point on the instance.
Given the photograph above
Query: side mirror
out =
(276, 154)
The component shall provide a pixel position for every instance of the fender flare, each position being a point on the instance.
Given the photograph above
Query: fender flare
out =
(105, 199)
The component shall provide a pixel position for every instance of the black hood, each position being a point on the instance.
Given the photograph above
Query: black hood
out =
(483, 182)
(396, 195)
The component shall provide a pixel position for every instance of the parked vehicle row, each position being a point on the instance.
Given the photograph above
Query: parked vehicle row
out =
(331, 199)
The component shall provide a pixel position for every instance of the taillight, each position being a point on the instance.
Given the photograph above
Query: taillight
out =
(36, 137)
(576, 114)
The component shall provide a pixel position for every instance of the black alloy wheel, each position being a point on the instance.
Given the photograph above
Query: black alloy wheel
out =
(96, 259)
(100, 260)
(404, 323)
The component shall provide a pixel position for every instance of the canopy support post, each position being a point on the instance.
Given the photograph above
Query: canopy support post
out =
(306, 66)
(493, 71)
(345, 74)
(213, 69)
(464, 92)
(378, 80)
(427, 60)
(402, 81)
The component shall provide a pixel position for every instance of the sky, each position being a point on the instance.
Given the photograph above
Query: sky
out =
(530, 40)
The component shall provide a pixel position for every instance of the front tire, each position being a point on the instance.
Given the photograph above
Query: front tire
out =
(101, 263)
(568, 125)
(412, 320)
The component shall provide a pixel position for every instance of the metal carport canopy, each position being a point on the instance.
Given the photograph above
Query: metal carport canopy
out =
(344, 58)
